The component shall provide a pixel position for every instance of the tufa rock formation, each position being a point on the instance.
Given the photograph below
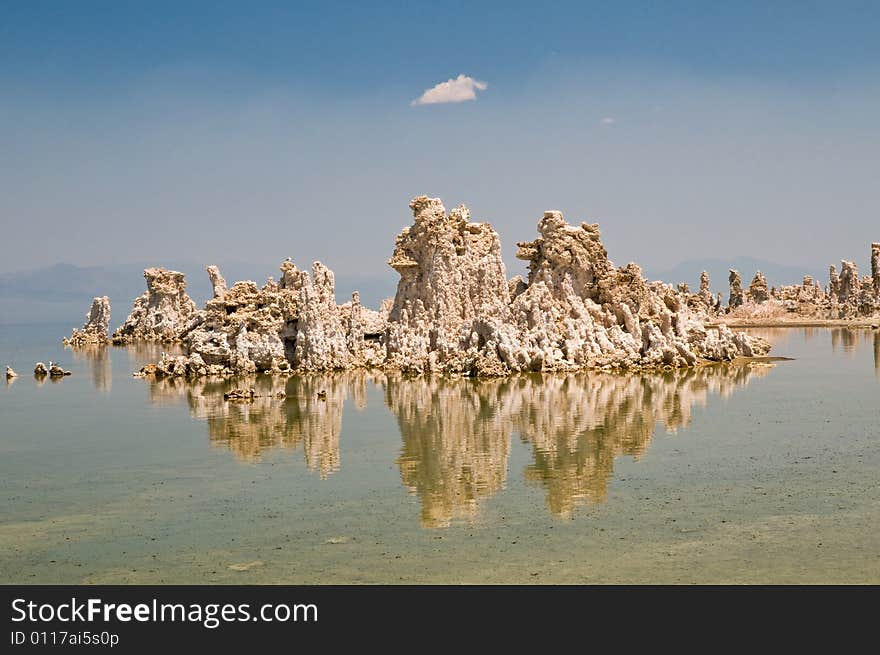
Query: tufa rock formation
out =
(218, 283)
(294, 323)
(833, 282)
(736, 292)
(454, 312)
(55, 371)
(706, 292)
(160, 314)
(96, 328)
(848, 281)
(758, 289)
(10, 373)
(452, 280)
(846, 297)
(875, 267)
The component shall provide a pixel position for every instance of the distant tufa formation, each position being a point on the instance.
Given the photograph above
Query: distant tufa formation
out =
(847, 296)
(455, 311)
(97, 326)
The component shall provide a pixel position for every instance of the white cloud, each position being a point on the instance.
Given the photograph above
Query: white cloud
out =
(458, 90)
(609, 120)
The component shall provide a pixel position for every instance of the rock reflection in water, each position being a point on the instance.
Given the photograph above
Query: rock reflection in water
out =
(851, 341)
(269, 421)
(456, 441)
(97, 358)
(579, 424)
(456, 433)
(877, 351)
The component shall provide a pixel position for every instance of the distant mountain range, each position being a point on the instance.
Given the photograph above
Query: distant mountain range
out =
(719, 269)
(63, 293)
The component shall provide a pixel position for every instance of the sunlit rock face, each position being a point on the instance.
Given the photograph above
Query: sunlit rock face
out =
(580, 311)
(454, 311)
(451, 277)
(294, 323)
(242, 328)
(160, 314)
(758, 290)
(95, 331)
(321, 341)
(218, 282)
(705, 295)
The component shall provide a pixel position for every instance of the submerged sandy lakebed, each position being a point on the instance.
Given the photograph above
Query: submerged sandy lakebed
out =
(743, 472)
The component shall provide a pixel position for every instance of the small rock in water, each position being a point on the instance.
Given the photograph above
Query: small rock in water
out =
(40, 369)
(10, 373)
(246, 566)
(337, 540)
(56, 371)
(149, 369)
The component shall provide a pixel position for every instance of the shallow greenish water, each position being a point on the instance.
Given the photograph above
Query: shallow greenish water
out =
(728, 473)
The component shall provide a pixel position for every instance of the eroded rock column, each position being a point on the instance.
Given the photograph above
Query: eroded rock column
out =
(736, 291)
(95, 331)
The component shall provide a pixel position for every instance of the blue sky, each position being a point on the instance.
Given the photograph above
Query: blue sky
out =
(352, 47)
(229, 132)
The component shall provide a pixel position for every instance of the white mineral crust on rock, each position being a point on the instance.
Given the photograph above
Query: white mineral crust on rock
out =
(758, 291)
(321, 342)
(95, 331)
(455, 311)
(217, 281)
(160, 314)
(705, 291)
(452, 286)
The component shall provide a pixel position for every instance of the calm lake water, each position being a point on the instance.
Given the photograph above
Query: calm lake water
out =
(733, 473)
